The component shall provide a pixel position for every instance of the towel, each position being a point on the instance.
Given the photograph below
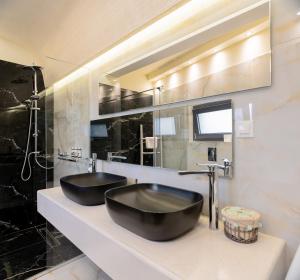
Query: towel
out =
(151, 142)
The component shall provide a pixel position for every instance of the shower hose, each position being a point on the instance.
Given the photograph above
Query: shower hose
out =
(28, 155)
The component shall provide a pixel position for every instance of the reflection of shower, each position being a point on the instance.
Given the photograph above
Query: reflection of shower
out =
(33, 107)
(154, 144)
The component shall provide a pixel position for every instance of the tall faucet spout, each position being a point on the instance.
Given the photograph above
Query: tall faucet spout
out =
(213, 200)
(212, 173)
(213, 176)
(94, 162)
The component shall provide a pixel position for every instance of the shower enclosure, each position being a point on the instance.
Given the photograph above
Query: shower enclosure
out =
(28, 245)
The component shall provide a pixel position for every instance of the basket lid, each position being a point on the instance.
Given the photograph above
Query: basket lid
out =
(241, 216)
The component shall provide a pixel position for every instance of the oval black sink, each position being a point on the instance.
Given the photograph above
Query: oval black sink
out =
(89, 188)
(155, 212)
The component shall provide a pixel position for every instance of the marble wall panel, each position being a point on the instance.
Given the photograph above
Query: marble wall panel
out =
(123, 138)
(266, 169)
(23, 245)
(71, 126)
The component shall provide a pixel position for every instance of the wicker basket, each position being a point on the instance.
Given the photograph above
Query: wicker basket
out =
(237, 234)
(240, 224)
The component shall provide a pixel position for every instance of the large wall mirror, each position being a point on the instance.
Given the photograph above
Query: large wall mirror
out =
(226, 56)
(175, 138)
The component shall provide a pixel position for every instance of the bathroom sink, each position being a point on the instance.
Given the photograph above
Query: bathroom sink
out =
(155, 212)
(89, 188)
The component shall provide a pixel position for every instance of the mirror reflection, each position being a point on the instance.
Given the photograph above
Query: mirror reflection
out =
(175, 138)
(218, 59)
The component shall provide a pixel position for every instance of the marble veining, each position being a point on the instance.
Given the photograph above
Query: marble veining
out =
(266, 167)
(123, 137)
(24, 237)
(32, 250)
(266, 170)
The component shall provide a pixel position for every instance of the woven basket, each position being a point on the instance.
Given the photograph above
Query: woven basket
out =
(241, 224)
(240, 235)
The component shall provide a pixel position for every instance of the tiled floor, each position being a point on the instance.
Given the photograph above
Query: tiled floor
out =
(30, 251)
(78, 268)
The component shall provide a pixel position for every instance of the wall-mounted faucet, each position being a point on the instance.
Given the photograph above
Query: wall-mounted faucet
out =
(112, 155)
(213, 176)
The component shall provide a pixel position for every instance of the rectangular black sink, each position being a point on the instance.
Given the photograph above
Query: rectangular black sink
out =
(155, 212)
(89, 188)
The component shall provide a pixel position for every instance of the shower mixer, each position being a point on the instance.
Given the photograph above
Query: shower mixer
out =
(34, 97)
(33, 103)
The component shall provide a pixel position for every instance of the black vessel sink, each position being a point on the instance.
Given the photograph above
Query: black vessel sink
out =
(89, 188)
(155, 212)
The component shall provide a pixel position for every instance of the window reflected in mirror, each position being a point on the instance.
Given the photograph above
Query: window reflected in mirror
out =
(212, 121)
(175, 138)
(165, 126)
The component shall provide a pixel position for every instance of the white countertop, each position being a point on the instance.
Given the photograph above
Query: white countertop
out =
(200, 254)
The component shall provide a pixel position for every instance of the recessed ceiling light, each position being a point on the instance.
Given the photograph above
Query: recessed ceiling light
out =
(249, 33)
(298, 14)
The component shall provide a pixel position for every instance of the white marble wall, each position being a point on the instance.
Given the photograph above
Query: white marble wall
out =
(266, 167)
(71, 126)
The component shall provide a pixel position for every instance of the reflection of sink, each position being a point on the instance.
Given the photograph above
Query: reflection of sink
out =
(153, 211)
(89, 188)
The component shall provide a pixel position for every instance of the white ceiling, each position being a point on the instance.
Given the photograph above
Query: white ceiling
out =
(73, 30)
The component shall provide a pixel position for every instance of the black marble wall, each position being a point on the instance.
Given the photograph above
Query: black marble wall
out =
(17, 198)
(27, 245)
(121, 135)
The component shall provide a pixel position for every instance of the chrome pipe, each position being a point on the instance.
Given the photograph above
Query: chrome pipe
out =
(213, 199)
(94, 162)
(213, 193)
(35, 109)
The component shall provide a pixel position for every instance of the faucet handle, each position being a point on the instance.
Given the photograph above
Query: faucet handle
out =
(227, 165)
(210, 165)
(227, 162)
(213, 166)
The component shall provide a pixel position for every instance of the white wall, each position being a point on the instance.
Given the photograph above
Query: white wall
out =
(9, 51)
(266, 167)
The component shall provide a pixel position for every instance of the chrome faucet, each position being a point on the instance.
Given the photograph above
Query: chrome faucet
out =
(213, 176)
(112, 155)
(93, 163)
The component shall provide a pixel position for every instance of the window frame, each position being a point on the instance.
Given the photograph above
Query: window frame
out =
(205, 108)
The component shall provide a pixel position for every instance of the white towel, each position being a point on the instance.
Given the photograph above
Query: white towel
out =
(151, 142)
